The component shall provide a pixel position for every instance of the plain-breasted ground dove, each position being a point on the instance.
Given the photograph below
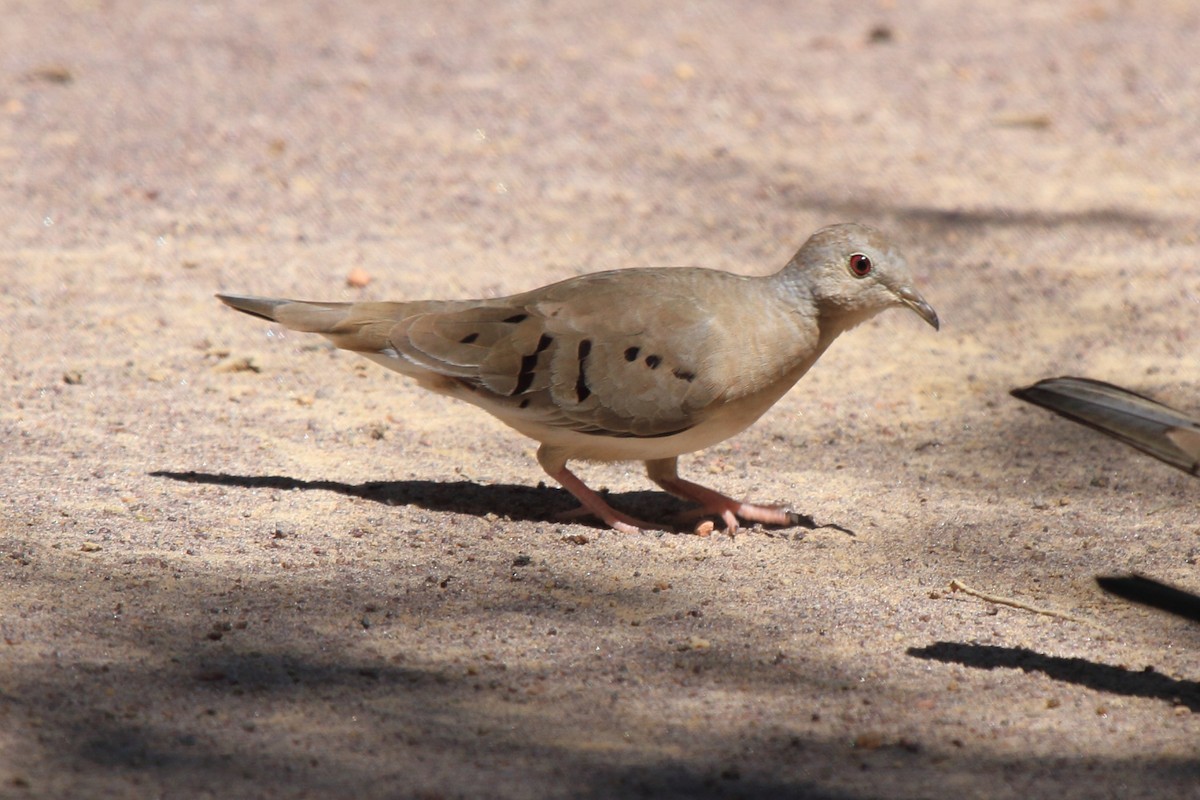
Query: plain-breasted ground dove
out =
(634, 364)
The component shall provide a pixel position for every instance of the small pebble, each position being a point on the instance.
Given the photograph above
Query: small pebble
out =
(358, 278)
(871, 740)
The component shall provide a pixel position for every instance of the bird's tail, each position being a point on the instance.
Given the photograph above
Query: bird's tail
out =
(360, 327)
(1160, 431)
(294, 314)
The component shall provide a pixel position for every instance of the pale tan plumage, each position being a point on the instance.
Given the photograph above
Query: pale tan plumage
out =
(637, 364)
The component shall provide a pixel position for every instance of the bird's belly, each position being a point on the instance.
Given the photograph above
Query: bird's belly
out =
(729, 420)
(715, 425)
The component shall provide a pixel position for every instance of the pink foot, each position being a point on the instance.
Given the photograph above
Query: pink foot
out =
(593, 503)
(713, 502)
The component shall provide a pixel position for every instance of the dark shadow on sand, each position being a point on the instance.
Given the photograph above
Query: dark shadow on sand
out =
(516, 502)
(1079, 671)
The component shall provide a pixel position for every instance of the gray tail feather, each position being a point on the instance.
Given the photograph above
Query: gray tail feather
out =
(1157, 430)
(324, 318)
(261, 307)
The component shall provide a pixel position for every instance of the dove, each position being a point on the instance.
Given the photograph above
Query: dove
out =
(639, 364)
(1171, 436)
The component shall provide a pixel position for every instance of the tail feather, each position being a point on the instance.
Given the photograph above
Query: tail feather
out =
(358, 327)
(294, 314)
(261, 307)
(1168, 435)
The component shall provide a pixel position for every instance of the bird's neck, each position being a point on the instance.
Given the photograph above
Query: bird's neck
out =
(795, 289)
(833, 322)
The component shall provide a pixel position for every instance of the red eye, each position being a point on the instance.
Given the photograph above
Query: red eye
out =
(860, 265)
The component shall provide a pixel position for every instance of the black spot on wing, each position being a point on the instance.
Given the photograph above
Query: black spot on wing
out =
(529, 365)
(684, 375)
(469, 338)
(582, 392)
(653, 361)
(525, 376)
(515, 318)
(631, 353)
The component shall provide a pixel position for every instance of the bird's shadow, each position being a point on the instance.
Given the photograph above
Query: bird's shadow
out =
(1155, 594)
(1080, 671)
(516, 502)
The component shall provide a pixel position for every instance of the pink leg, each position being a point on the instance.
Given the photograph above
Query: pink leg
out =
(591, 501)
(664, 473)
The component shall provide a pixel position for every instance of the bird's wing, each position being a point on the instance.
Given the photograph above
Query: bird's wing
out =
(581, 354)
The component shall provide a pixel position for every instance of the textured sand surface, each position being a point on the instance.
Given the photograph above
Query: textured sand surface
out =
(234, 562)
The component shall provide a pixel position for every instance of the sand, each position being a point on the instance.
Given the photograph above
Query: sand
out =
(237, 563)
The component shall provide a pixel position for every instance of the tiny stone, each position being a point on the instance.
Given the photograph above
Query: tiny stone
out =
(880, 34)
(872, 740)
(358, 278)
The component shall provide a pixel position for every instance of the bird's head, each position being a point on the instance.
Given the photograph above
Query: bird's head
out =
(853, 272)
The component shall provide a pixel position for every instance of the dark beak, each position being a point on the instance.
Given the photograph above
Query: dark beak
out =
(912, 298)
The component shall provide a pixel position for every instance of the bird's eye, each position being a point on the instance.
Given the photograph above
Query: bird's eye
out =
(860, 265)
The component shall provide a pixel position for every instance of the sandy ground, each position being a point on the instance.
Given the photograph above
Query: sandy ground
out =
(234, 562)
